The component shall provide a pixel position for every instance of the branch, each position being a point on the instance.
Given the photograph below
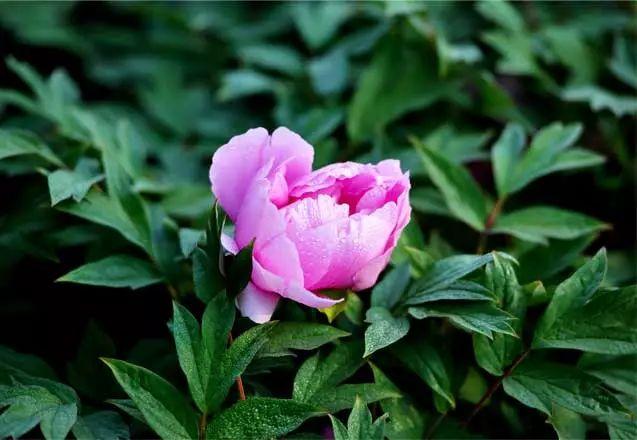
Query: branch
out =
(493, 216)
(432, 429)
(240, 389)
(495, 386)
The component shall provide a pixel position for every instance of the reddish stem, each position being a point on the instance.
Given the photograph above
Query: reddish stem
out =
(240, 389)
(492, 217)
(495, 386)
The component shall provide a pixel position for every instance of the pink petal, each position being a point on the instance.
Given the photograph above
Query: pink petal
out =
(290, 289)
(229, 244)
(312, 226)
(279, 256)
(257, 304)
(366, 276)
(390, 168)
(234, 166)
(290, 150)
(357, 240)
(250, 214)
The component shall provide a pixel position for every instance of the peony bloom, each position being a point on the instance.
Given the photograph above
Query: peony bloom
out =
(333, 228)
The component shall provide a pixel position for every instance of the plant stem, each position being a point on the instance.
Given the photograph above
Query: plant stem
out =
(202, 426)
(240, 389)
(495, 386)
(173, 292)
(491, 218)
(432, 429)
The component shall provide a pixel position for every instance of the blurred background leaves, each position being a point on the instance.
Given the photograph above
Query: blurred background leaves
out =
(516, 122)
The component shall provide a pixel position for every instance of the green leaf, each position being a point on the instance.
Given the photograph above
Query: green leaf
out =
(245, 82)
(359, 424)
(601, 99)
(617, 372)
(101, 425)
(189, 239)
(515, 168)
(568, 424)
(388, 291)
(235, 360)
(423, 358)
(55, 97)
(165, 410)
(339, 430)
(429, 201)
(260, 418)
(330, 72)
(473, 386)
(17, 143)
(342, 396)
(572, 294)
(115, 271)
(619, 425)
(575, 158)
(541, 385)
(299, 336)
(479, 318)
(64, 184)
(462, 194)
(240, 270)
(545, 147)
(194, 359)
(384, 329)
(98, 208)
(128, 407)
(504, 155)
(606, 323)
(164, 245)
(624, 61)
(278, 58)
(495, 354)
(405, 420)
(496, 101)
(316, 375)
(571, 49)
(502, 13)
(443, 273)
(460, 290)
(537, 223)
(456, 145)
(399, 79)
(411, 237)
(13, 364)
(318, 22)
(52, 405)
(216, 324)
(542, 262)
(118, 178)
(86, 373)
(206, 260)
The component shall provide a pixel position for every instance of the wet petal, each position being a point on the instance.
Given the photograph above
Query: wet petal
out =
(234, 167)
(257, 304)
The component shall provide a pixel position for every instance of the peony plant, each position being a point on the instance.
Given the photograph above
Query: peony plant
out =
(440, 246)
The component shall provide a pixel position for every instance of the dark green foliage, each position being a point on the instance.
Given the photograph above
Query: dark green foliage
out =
(510, 299)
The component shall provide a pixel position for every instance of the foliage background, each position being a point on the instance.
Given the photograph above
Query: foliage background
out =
(360, 81)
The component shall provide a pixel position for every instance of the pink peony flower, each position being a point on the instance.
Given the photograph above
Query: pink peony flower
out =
(334, 228)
